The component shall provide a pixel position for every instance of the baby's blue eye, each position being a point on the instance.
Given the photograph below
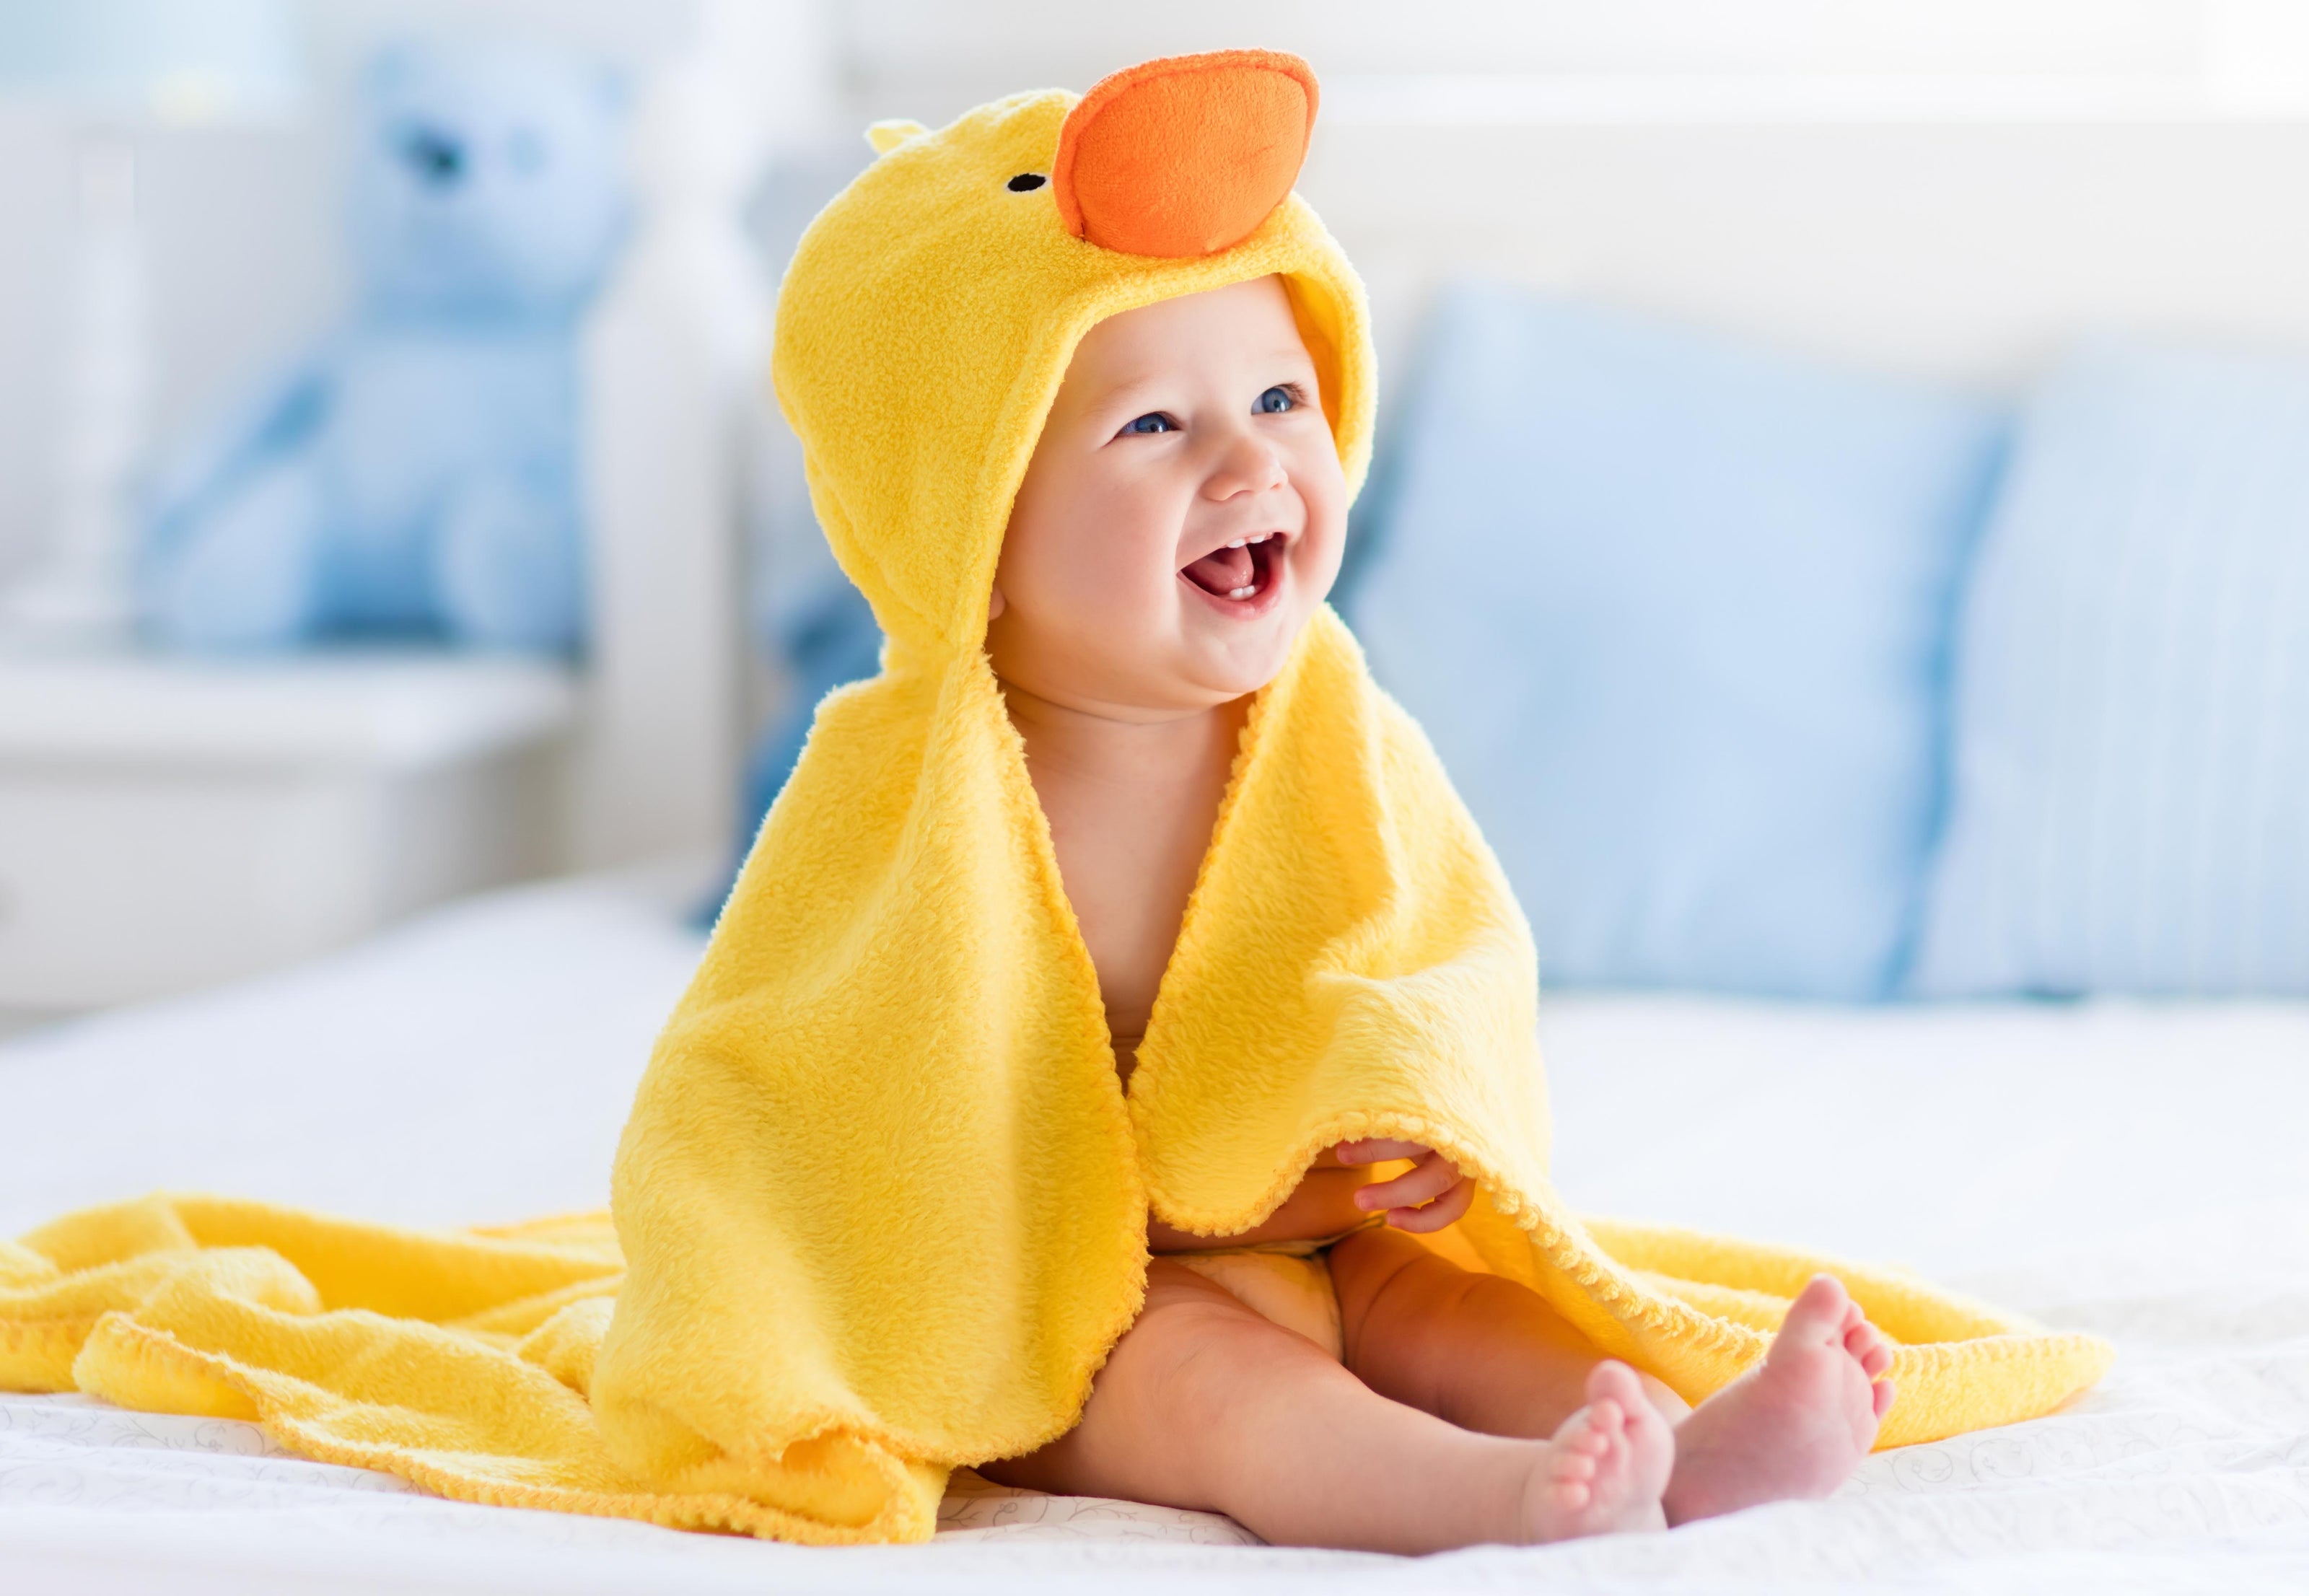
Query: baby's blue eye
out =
(1275, 401)
(1154, 422)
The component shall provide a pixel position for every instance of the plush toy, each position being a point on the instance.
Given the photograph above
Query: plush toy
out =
(414, 476)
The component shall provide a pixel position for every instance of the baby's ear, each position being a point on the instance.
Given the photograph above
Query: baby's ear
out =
(887, 136)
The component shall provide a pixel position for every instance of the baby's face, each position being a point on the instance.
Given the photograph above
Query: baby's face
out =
(1182, 516)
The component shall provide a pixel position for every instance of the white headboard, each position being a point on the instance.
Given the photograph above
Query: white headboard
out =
(1965, 246)
(1965, 249)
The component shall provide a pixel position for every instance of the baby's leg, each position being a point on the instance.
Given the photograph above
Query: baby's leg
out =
(1490, 1355)
(1477, 1349)
(1203, 1404)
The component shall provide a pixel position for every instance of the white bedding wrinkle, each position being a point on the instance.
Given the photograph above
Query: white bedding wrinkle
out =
(2188, 1468)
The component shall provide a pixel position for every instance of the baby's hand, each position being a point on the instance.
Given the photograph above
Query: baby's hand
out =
(1424, 1199)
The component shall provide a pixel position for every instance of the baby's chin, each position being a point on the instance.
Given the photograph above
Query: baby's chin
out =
(1145, 666)
(1161, 684)
(1226, 663)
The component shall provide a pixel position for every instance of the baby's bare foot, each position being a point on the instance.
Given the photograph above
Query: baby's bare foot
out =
(1605, 1468)
(1795, 1425)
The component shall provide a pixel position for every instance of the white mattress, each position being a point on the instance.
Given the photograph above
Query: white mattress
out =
(2133, 1169)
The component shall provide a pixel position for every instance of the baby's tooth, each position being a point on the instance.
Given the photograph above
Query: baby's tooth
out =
(1240, 592)
(1236, 544)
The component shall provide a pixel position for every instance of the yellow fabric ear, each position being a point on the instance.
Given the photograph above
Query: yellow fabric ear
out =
(887, 136)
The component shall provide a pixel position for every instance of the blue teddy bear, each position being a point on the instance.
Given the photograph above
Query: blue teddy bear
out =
(415, 475)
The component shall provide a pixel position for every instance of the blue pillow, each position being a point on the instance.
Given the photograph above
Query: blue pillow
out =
(1674, 611)
(2130, 807)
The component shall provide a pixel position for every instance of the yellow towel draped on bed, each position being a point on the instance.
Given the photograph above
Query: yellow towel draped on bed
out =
(882, 1200)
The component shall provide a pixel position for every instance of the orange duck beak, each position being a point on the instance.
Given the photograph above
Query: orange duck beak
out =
(1184, 156)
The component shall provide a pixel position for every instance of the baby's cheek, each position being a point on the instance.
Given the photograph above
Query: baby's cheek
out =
(1116, 603)
(1315, 566)
(1124, 584)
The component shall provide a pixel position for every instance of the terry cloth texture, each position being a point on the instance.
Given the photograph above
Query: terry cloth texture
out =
(883, 1199)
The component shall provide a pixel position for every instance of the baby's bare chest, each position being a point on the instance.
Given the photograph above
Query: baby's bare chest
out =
(1129, 867)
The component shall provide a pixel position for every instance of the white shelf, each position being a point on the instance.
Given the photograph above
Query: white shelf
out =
(374, 710)
(169, 823)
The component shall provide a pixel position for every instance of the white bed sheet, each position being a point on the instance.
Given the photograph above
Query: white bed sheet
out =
(2135, 1169)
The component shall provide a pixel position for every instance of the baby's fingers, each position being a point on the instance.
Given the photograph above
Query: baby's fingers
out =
(1434, 1175)
(1377, 1149)
(1445, 1210)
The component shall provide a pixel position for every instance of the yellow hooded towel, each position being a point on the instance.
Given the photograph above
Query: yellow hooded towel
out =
(880, 1210)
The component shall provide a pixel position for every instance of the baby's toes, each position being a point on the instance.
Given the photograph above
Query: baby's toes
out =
(1573, 1479)
(1588, 1445)
(1869, 1347)
(1613, 1385)
(1596, 1476)
(1822, 1314)
(1606, 1420)
(1589, 1434)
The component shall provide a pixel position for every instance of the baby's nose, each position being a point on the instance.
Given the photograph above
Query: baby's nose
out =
(1186, 155)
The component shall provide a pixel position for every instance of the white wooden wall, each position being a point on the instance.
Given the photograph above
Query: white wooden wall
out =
(1952, 187)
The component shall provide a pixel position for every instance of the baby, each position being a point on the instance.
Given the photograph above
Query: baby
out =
(1182, 520)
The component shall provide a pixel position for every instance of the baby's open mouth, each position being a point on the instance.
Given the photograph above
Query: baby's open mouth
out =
(1241, 571)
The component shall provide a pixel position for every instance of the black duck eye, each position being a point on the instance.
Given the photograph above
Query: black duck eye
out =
(1026, 182)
